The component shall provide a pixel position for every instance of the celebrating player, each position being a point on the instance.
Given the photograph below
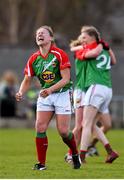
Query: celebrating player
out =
(52, 67)
(98, 94)
(79, 92)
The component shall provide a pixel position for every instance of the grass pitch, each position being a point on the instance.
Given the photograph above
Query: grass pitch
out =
(17, 157)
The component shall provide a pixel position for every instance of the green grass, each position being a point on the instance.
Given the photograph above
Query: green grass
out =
(17, 156)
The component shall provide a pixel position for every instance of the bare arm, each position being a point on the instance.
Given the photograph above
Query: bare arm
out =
(65, 73)
(94, 52)
(23, 87)
(75, 48)
(113, 58)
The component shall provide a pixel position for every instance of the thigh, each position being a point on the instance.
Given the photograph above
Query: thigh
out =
(105, 120)
(42, 120)
(89, 116)
(63, 122)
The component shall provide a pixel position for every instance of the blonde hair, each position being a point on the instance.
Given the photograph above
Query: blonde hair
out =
(92, 31)
(76, 42)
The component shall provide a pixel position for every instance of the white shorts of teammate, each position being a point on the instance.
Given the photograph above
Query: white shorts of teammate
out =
(58, 102)
(78, 97)
(98, 96)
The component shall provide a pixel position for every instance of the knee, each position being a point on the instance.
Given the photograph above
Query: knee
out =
(107, 126)
(86, 123)
(63, 132)
(40, 126)
(77, 129)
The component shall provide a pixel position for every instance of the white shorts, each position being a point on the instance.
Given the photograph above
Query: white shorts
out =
(58, 102)
(98, 96)
(78, 97)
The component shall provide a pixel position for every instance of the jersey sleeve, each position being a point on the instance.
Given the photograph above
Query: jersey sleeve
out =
(81, 54)
(28, 70)
(64, 63)
(62, 58)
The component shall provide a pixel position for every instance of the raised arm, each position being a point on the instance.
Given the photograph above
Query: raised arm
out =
(94, 52)
(75, 48)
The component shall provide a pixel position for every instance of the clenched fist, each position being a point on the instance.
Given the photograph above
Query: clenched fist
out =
(18, 96)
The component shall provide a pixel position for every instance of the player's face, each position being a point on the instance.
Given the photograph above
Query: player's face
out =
(43, 37)
(86, 38)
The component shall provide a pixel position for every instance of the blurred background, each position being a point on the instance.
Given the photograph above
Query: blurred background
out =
(19, 20)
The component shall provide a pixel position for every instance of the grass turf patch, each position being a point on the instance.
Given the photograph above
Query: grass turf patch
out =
(18, 155)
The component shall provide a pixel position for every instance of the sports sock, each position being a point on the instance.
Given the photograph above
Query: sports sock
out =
(41, 146)
(108, 148)
(70, 141)
(70, 152)
(82, 155)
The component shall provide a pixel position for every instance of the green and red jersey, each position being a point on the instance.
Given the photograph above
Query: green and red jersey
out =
(81, 66)
(80, 54)
(47, 68)
(93, 70)
(98, 70)
(80, 71)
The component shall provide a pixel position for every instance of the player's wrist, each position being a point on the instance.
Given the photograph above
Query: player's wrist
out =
(20, 93)
(104, 44)
(51, 90)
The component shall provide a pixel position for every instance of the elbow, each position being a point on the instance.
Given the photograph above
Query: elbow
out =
(113, 62)
(66, 81)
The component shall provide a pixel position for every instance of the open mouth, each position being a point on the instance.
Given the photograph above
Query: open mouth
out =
(40, 38)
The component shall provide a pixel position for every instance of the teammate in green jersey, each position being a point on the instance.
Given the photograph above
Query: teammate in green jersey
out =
(51, 66)
(79, 93)
(98, 94)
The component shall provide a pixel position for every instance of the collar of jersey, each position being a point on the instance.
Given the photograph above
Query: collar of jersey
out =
(45, 57)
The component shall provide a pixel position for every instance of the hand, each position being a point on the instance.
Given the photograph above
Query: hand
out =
(104, 44)
(45, 92)
(18, 96)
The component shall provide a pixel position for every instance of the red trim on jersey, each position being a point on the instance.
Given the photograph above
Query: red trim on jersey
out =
(45, 56)
(62, 57)
(59, 53)
(28, 68)
(81, 53)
